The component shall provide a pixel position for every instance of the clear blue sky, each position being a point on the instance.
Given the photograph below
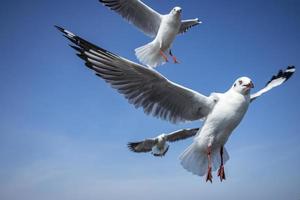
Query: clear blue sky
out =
(63, 131)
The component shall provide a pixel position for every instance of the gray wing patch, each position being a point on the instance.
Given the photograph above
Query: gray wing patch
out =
(137, 13)
(142, 146)
(187, 24)
(182, 134)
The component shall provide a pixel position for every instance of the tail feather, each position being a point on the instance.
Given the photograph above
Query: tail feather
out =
(195, 160)
(149, 55)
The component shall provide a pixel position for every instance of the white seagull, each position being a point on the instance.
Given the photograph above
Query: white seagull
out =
(146, 88)
(163, 28)
(159, 145)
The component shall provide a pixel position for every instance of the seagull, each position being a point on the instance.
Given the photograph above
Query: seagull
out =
(146, 88)
(158, 145)
(163, 28)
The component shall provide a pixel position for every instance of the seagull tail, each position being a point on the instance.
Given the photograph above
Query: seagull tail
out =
(194, 159)
(149, 55)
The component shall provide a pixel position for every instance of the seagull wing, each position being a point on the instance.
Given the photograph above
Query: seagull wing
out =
(275, 81)
(187, 24)
(142, 146)
(182, 134)
(138, 13)
(143, 87)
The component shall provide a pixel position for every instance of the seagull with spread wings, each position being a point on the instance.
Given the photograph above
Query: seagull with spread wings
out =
(163, 28)
(159, 145)
(160, 97)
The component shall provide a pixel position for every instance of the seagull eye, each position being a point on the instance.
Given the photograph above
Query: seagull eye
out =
(240, 82)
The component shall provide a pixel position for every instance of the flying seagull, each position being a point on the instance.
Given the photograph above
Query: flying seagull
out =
(146, 88)
(158, 145)
(163, 28)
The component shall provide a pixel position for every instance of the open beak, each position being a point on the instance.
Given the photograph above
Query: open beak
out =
(250, 85)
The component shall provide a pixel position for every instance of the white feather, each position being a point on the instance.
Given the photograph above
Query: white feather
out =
(149, 54)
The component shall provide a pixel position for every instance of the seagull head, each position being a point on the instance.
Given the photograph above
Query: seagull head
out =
(243, 85)
(176, 11)
(162, 138)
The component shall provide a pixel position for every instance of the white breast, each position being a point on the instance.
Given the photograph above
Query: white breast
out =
(225, 116)
(167, 31)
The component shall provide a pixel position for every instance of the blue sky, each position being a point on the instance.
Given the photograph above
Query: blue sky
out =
(63, 131)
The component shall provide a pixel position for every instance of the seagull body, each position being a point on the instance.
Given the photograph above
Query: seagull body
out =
(163, 28)
(161, 148)
(158, 146)
(168, 29)
(160, 97)
(227, 113)
(225, 116)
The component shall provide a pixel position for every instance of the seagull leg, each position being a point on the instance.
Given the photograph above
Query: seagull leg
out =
(174, 58)
(221, 171)
(209, 175)
(163, 55)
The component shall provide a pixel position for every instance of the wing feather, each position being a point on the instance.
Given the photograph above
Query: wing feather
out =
(181, 134)
(187, 24)
(142, 146)
(275, 81)
(143, 87)
(138, 13)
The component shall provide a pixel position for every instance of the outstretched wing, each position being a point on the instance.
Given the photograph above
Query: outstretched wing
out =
(138, 13)
(187, 24)
(142, 86)
(142, 146)
(182, 134)
(275, 81)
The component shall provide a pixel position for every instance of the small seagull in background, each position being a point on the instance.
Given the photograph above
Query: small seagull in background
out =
(163, 28)
(160, 97)
(159, 145)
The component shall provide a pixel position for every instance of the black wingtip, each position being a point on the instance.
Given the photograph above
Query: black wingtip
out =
(59, 28)
(76, 48)
(290, 70)
(131, 146)
(286, 74)
(82, 56)
(66, 33)
(103, 1)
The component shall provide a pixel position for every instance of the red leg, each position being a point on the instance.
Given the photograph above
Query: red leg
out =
(163, 55)
(221, 171)
(174, 58)
(209, 175)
